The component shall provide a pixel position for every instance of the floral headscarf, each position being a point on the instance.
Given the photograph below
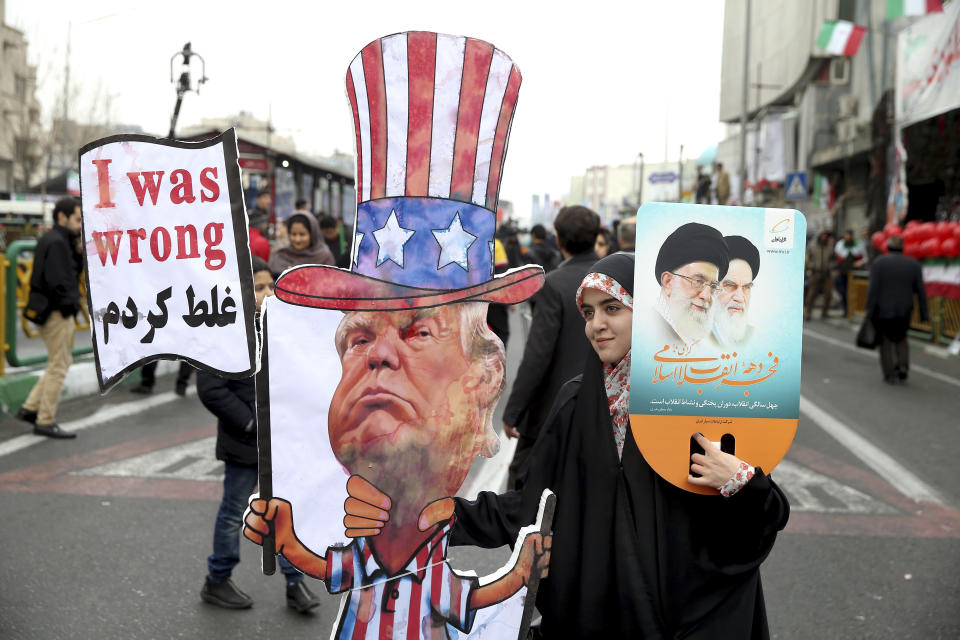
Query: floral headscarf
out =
(616, 377)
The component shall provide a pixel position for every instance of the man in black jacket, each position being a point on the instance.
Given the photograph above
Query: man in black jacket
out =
(54, 300)
(556, 347)
(234, 404)
(894, 280)
(541, 252)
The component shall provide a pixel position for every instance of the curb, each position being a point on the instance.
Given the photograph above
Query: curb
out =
(81, 380)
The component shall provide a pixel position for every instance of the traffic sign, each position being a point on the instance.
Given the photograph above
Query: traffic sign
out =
(796, 186)
(663, 177)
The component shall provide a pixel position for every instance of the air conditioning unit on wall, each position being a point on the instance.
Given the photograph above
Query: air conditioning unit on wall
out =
(846, 130)
(840, 71)
(847, 106)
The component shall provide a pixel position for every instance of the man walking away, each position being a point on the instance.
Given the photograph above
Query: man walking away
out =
(540, 252)
(54, 300)
(233, 402)
(556, 347)
(820, 263)
(894, 280)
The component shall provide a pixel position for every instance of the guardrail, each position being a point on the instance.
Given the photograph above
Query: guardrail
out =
(15, 289)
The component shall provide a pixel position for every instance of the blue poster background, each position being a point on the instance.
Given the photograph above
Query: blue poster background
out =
(775, 314)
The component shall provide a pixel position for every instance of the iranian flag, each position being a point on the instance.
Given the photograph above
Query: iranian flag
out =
(941, 277)
(840, 38)
(899, 8)
(823, 192)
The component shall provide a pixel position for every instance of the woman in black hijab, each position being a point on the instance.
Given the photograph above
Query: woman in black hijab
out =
(632, 554)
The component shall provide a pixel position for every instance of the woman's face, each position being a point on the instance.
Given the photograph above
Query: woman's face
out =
(299, 236)
(602, 246)
(609, 325)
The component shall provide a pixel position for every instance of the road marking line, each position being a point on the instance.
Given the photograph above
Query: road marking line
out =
(882, 464)
(185, 461)
(802, 486)
(914, 368)
(98, 417)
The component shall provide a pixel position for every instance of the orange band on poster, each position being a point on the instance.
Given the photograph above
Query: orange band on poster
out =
(665, 442)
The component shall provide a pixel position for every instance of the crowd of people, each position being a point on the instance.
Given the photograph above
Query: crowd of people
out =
(568, 408)
(829, 263)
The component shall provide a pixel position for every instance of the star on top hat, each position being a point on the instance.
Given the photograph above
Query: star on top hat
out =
(432, 115)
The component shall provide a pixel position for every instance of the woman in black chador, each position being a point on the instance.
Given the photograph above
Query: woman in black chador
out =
(632, 555)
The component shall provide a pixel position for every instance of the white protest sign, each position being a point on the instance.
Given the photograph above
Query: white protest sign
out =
(167, 255)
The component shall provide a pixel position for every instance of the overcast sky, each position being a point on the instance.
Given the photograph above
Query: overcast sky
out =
(599, 78)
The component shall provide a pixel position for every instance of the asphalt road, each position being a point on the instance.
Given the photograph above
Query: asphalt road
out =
(106, 536)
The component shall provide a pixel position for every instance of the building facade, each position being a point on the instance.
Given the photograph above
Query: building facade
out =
(20, 128)
(616, 191)
(806, 111)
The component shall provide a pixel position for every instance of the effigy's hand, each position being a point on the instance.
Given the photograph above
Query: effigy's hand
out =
(534, 556)
(266, 517)
(366, 509)
(436, 512)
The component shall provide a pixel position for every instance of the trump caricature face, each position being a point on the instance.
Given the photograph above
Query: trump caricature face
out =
(414, 404)
(732, 319)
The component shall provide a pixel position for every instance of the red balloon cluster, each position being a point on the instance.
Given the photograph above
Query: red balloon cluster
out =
(922, 239)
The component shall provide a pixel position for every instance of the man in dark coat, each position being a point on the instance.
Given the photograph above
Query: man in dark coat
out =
(54, 300)
(338, 237)
(894, 280)
(259, 218)
(234, 404)
(556, 346)
(541, 252)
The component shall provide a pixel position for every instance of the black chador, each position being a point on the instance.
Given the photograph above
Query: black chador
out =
(632, 555)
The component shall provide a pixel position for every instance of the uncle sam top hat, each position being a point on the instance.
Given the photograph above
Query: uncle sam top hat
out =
(432, 115)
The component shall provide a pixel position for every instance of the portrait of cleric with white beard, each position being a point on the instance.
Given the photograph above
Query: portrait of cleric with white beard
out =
(731, 320)
(690, 266)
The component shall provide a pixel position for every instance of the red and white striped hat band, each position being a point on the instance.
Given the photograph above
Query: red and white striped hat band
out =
(432, 114)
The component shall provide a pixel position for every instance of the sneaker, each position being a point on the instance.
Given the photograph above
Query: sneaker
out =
(902, 372)
(142, 389)
(225, 594)
(52, 430)
(181, 389)
(27, 416)
(301, 598)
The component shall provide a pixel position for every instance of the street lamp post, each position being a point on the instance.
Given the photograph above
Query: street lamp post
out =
(680, 176)
(183, 84)
(639, 185)
(743, 102)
